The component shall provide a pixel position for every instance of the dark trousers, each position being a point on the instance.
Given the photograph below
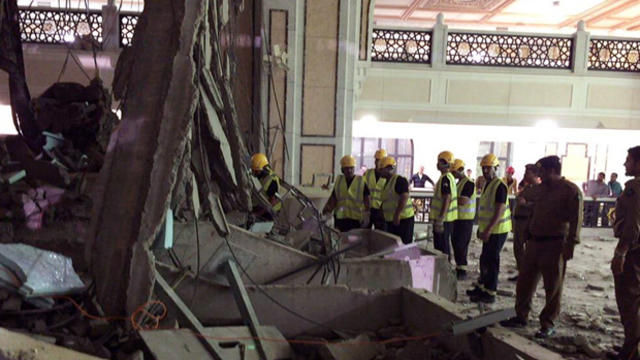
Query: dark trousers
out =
(377, 219)
(541, 258)
(627, 287)
(404, 230)
(490, 262)
(345, 225)
(441, 240)
(520, 227)
(461, 236)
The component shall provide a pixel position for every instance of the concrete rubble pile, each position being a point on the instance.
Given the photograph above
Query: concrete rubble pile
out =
(214, 290)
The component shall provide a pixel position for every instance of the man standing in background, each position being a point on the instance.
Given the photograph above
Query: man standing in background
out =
(419, 179)
(614, 186)
(597, 188)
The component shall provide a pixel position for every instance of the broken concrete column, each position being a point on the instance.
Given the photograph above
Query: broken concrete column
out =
(144, 154)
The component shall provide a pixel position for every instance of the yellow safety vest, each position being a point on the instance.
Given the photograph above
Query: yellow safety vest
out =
(487, 208)
(390, 201)
(266, 182)
(350, 200)
(468, 211)
(375, 187)
(438, 200)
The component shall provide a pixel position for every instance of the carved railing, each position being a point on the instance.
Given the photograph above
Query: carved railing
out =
(401, 46)
(54, 26)
(614, 55)
(509, 50)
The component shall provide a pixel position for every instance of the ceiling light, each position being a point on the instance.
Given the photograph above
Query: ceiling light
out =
(368, 119)
(546, 124)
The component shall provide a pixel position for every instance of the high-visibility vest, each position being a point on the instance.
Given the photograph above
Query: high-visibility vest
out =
(438, 200)
(390, 201)
(468, 211)
(266, 183)
(488, 206)
(350, 199)
(375, 187)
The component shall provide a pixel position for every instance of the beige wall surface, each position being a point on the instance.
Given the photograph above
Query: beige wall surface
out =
(407, 93)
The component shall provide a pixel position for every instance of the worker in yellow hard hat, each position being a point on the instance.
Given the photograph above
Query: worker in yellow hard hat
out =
(397, 207)
(494, 223)
(443, 210)
(463, 226)
(270, 185)
(350, 199)
(376, 182)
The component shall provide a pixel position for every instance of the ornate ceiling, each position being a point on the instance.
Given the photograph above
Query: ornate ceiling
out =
(603, 17)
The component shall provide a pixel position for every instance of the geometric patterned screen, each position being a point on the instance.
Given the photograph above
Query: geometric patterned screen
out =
(401, 46)
(128, 24)
(58, 26)
(614, 55)
(509, 50)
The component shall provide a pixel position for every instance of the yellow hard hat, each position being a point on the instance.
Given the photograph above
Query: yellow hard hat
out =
(457, 164)
(489, 160)
(347, 161)
(381, 153)
(446, 156)
(387, 161)
(259, 161)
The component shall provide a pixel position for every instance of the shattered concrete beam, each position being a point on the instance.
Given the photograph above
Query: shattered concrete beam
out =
(144, 154)
(353, 311)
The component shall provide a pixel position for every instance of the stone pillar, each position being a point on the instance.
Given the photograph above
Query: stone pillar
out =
(110, 27)
(280, 100)
(439, 43)
(580, 49)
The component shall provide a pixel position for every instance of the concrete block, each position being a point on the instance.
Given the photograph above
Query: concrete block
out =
(18, 346)
(354, 349)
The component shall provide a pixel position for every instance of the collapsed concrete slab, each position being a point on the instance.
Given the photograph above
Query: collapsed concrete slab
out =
(323, 309)
(14, 346)
(269, 262)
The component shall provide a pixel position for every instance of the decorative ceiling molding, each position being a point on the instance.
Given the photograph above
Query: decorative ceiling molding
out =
(603, 17)
(446, 5)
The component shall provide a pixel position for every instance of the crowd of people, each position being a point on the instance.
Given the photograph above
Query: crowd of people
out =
(546, 224)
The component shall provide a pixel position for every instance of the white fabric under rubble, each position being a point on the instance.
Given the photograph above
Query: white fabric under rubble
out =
(41, 272)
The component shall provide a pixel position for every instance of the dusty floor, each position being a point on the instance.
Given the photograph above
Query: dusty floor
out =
(588, 325)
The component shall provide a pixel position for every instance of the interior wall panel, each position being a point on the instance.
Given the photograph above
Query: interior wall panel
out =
(315, 159)
(320, 67)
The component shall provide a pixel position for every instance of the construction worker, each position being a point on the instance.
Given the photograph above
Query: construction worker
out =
(522, 214)
(512, 183)
(463, 226)
(443, 210)
(270, 185)
(626, 259)
(375, 182)
(396, 205)
(350, 198)
(554, 230)
(494, 223)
